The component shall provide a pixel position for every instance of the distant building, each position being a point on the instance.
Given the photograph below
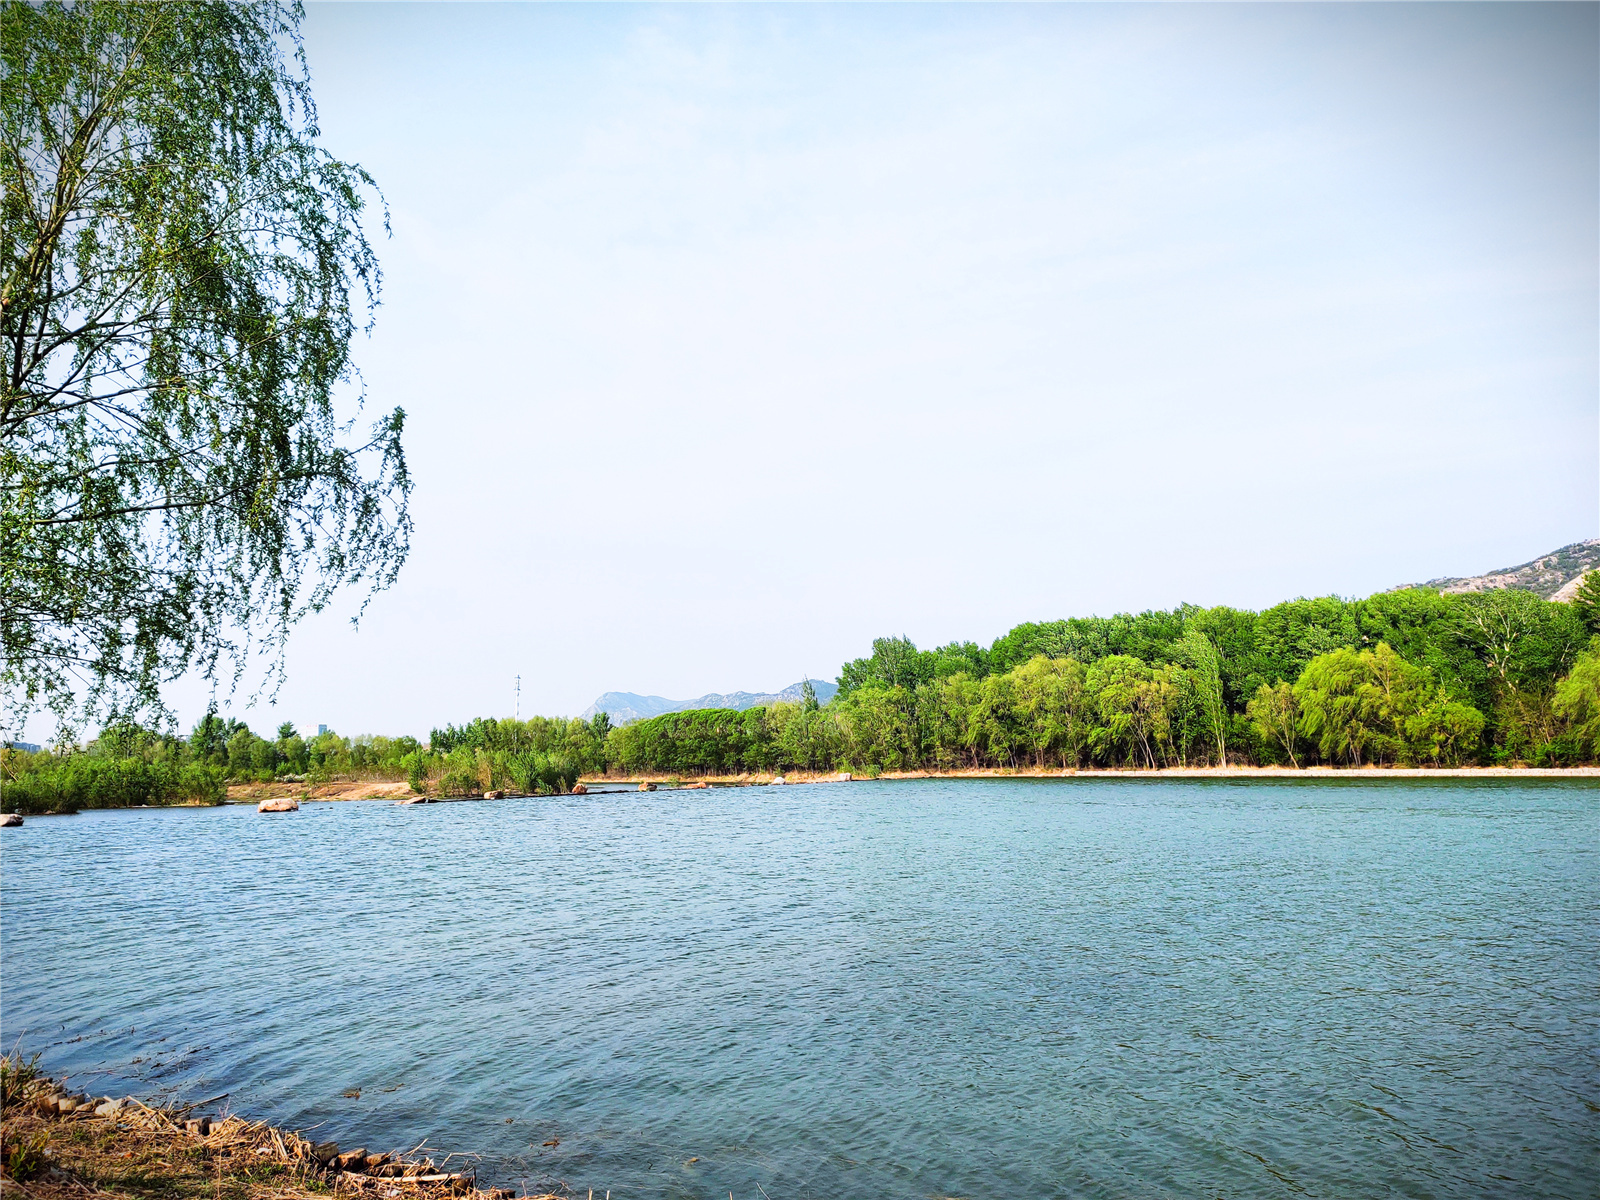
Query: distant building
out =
(321, 729)
(28, 747)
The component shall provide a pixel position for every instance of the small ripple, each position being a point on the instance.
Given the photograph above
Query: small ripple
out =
(961, 988)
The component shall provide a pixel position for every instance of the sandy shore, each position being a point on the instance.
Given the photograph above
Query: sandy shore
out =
(253, 793)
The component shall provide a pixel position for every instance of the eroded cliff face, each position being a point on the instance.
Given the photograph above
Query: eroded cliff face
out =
(1553, 576)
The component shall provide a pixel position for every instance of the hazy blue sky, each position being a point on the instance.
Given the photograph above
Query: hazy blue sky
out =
(733, 337)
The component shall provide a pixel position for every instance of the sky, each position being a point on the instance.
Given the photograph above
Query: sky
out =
(732, 337)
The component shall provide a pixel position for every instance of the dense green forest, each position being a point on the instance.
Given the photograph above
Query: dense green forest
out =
(1412, 677)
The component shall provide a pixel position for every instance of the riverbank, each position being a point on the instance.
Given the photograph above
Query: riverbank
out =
(58, 1145)
(253, 792)
(387, 790)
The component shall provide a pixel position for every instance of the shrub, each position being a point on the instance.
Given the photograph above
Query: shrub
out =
(25, 1157)
(15, 1076)
(460, 774)
(545, 774)
(416, 771)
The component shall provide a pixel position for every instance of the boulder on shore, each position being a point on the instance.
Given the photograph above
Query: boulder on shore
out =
(9, 820)
(282, 804)
(779, 779)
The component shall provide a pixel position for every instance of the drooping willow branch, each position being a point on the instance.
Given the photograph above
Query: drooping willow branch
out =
(181, 267)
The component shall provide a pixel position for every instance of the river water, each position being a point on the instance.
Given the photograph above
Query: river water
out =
(975, 988)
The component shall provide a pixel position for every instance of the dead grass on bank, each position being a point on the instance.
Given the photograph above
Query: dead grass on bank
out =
(144, 1153)
(372, 789)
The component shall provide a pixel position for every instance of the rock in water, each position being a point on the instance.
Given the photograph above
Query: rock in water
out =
(10, 819)
(647, 787)
(579, 790)
(283, 804)
(353, 1160)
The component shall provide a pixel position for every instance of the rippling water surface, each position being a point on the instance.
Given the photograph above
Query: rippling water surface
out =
(972, 988)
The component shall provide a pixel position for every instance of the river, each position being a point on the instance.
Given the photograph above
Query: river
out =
(932, 988)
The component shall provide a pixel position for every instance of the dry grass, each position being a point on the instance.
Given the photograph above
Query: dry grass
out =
(145, 1153)
(371, 789)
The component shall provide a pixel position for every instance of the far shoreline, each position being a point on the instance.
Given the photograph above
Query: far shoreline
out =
(390, 790)
(1242, 772)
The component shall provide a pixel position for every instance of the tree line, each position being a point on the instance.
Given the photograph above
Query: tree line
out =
(1412, 677)
(128, 765)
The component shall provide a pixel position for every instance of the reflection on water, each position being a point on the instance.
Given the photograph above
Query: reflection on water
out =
(951, 988)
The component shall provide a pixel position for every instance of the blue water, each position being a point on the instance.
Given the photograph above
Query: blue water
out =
(921, 989)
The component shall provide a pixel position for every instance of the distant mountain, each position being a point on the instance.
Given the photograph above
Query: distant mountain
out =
(624, 707)
(1554, 576)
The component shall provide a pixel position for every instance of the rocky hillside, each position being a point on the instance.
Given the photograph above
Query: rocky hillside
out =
(624, 707)
(1554, 576)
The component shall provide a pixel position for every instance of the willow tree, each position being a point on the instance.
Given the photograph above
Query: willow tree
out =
(184, 467)
(1199, 653)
